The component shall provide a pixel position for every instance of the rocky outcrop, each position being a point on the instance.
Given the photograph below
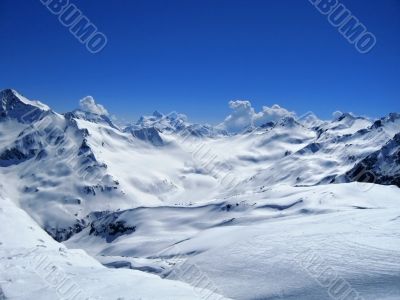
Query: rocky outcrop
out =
(381, 167)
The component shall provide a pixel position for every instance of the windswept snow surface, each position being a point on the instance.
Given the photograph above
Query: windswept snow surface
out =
(34, 266)
(260, 207)
(273, 244)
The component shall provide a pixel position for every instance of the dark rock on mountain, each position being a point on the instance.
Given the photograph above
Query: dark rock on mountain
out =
(110, 231)
(150, 135)
(382, 166)
(15, 106)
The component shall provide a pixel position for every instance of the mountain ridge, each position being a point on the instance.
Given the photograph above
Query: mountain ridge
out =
(165, 196)
(95, 158)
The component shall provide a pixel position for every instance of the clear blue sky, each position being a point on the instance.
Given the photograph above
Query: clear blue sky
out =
(194, 56)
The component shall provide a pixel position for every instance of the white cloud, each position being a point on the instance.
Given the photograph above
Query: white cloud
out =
(89, 105)
(243, 116)
(271, 114)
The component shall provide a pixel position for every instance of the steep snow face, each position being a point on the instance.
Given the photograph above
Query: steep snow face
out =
(14, 94)
(389, 124)
(34, 266)
(53, 173)
(382, 166)
(147, 134)
(16, 106)
(9, 131)
(91, 117)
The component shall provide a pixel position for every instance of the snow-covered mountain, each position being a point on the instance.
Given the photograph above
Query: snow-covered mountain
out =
(163, 191)
(16, 106)
(382, 166)
(148, 127)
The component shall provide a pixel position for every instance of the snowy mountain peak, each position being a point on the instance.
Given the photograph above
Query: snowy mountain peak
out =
(392, 117)
(389, 123)
(15, 106)
(343, 116)
(382, 166)
(288, 122)
(172, 122)
(309, 120)
(90, 117)
(177, 116)
(10, 94)
(157, 114)
(348, 118)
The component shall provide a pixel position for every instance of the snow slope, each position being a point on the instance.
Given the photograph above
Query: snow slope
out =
(265, 245)
(34, 266)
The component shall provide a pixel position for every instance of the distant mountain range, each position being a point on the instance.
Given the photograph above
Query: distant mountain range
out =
(66, 166)
(88, 181)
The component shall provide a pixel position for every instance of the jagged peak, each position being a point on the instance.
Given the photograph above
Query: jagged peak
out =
(8, 94)
(391, 122)
(157, 114)
(348, 116)
(310, 120)
(344, 116)
(288, 122)
(392, 117)
(14, 106)
(90, 117)
(161, 121)
(8, 91)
